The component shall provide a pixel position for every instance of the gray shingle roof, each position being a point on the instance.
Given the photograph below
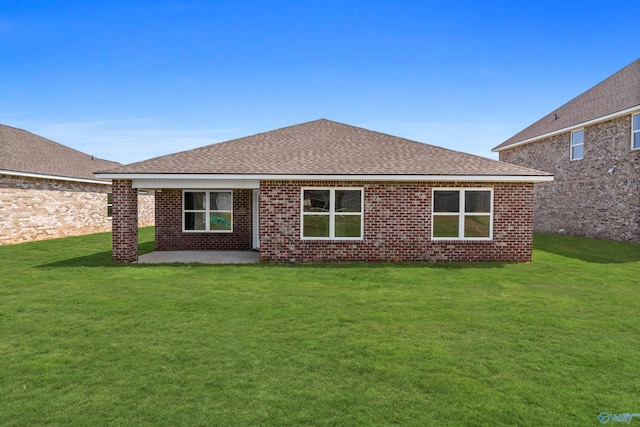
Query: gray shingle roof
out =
(323, 147)
(22, 151)
(618, 92)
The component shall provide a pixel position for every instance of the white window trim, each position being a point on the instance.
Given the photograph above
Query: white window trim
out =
(634, 131)
(207, 210)
(332, 213)
(571, 145)
(462, 214)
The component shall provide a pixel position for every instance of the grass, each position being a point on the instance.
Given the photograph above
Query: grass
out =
(85, 341)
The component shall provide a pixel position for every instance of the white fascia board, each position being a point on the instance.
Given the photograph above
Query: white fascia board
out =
(571, 128)
(286, 177)
(59, 178)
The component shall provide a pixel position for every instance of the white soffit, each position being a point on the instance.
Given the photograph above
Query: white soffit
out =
(151, 183)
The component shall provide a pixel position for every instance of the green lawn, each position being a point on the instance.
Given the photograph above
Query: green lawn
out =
(84, 341)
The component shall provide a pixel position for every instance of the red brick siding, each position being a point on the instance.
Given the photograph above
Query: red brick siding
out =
(170, 237)
(125, 221)
(397, 225)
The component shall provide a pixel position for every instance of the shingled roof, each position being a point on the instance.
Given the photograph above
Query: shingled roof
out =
(322, 147)
(617, 93)
(25, 152)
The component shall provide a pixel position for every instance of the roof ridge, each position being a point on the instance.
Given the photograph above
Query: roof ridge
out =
(220, 143)
(322, 148)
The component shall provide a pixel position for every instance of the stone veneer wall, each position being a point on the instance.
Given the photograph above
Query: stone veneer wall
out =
(586, 199)
(170, 237)
(397, 225)
(38, 208)
(146, 208)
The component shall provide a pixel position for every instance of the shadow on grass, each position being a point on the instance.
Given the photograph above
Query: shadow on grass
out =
(99, 259)
(588, 250)
(584, 249)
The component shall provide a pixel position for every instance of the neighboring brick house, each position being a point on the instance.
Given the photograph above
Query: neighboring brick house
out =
(326, 191)
(592, 147)
(48, 190)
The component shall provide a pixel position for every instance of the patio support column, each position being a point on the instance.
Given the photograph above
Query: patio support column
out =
(124, 221)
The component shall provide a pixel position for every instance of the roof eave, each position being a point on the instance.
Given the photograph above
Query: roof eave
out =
(56, 177)
(330, 177)
(624, 112)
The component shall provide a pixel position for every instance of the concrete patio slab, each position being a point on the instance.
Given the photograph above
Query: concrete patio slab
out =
(202, 257)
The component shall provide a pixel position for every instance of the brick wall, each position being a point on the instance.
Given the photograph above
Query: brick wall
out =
(170, 237)
(397, 225)
(586, 199)
(37, 209)
(125, 221)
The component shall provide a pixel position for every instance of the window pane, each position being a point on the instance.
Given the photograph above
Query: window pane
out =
(445, 226)
(315, 225)
(194, 221)
(194, 201)
(577, 137)
(476, 225)
(636, 122)
(220, 201)
(348, 201)
(636, 140)
(316, 200)
(348, 226)
(220, 221)
(109, 211)
(109, 198)
(576, 152)
(446, 201)
(477, 201)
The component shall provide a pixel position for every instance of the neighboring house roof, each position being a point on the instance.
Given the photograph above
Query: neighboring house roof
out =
(321, 148)
(24, 153)
(616, 94)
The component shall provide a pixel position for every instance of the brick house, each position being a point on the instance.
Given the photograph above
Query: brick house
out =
(592, 147)
(48, 190)
(326, 191)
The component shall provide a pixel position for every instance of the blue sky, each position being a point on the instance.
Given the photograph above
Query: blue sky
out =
(131, 80)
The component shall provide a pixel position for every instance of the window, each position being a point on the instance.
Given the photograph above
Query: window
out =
(462, 214)
(635, 139)
(577, 144)
(208, 211)
(332, 213)
(109, 205)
